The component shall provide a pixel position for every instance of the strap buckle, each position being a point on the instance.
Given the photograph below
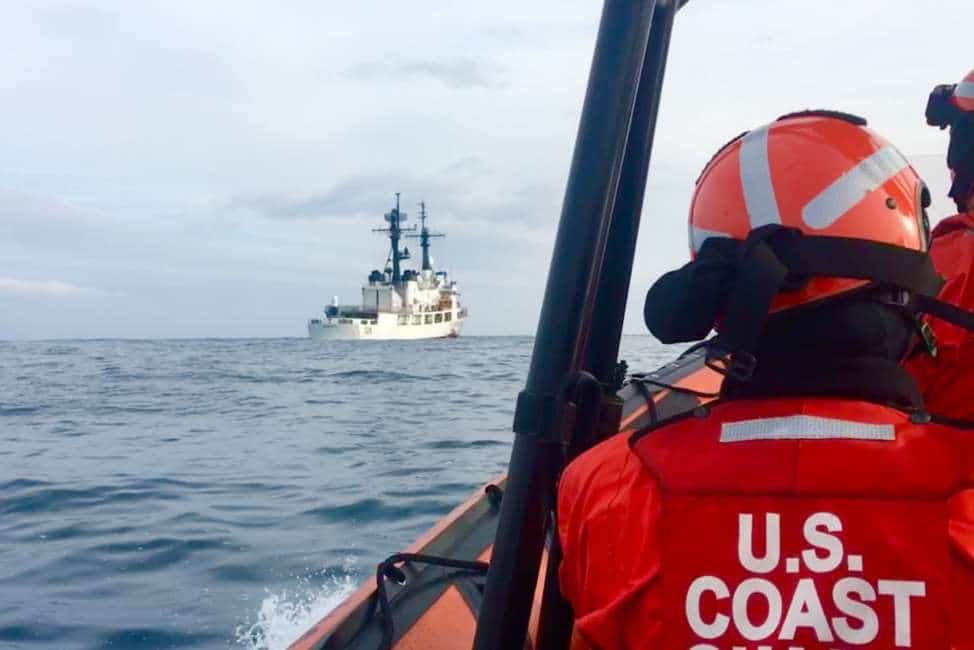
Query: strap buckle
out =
(739, 365)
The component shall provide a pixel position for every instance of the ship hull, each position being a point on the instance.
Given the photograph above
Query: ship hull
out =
(382, 330)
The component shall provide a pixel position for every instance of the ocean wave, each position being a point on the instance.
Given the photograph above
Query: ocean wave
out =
(372, 510)
(156, 637)
(44, 497)
(377, 376)
(24, 633)
(13, 411)
(452, 443)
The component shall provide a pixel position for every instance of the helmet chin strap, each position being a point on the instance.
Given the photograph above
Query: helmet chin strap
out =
(773, 255)
(735, 283)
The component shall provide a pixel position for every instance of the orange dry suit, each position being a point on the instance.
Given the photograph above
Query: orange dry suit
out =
(947, 380)
(791, 522)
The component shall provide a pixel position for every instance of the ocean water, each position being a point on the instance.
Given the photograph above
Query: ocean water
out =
(228, 493)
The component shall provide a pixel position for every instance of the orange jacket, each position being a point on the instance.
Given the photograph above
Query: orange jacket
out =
(947, 381)
(798, 522)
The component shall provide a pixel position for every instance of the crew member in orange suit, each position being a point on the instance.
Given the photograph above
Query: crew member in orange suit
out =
(815, 504)
(947, 380)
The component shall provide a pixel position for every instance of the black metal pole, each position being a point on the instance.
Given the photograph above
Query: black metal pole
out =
(592, 183)
(610, 303)
(394, 233)
(602, 347)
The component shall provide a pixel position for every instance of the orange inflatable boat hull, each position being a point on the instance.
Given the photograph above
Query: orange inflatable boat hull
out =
(418, 605)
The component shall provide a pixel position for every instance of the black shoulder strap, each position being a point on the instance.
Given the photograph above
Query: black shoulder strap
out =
(946, 311)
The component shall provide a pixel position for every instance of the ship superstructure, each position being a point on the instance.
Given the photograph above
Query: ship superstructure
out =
(398, 303)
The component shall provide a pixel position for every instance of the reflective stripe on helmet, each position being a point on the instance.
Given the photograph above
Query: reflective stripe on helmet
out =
(964, 93)
(852, 187)
(759, 197)
(699, 235)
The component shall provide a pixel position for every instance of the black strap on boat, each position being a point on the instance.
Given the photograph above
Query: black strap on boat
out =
(641, 380)
(387, 569)
(649, 399)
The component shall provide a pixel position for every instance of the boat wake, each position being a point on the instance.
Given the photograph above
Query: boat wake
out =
(285, 616)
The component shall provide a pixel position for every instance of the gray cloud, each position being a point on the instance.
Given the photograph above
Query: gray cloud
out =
(51, 288)
(349, 197)
(465, 190)
(457, 74)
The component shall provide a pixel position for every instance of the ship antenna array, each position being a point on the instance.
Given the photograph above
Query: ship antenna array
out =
(424, 236)
(395, 217)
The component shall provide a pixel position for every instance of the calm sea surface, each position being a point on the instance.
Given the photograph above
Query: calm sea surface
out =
(227, 493)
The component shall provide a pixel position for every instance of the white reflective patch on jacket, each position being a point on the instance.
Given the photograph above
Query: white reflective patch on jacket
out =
(804, 427)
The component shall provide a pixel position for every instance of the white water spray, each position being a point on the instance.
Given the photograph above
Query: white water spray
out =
(285, 616)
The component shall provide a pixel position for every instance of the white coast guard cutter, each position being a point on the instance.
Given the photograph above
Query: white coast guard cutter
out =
(396, 303)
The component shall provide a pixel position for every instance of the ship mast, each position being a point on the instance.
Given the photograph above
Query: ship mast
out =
(424, 237)
(395, 218)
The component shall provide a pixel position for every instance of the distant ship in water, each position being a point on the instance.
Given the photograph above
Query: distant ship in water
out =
(396, 303)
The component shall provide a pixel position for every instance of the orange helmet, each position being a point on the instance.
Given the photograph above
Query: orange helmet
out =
(807, 209)
(963, 96)
(821, 173)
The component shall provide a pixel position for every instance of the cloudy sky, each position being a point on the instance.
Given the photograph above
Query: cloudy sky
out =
(172, 169)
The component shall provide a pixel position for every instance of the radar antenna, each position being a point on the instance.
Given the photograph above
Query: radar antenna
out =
(395, 218)
(424, 237)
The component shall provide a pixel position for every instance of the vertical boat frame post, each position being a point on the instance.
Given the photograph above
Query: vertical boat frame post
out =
(620, 250)
(585, 298)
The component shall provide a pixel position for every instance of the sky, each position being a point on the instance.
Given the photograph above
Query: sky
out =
(214, 169)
